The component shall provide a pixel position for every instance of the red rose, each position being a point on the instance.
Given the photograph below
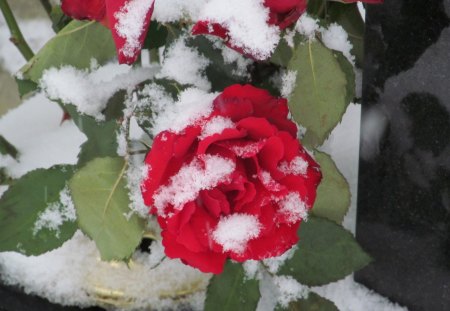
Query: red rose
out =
(128, 21)
(235, 184)
(282, 13)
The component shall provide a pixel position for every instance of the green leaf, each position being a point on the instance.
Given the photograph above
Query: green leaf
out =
(75, 45)
(231, 291)
(25, 87)
(326, 253)
(347, 15)
(102, 202)
(156, 36)
(333, 193)
(101, 136)
(6, 148)
(324, 88)
(20, 208)
(314, 302)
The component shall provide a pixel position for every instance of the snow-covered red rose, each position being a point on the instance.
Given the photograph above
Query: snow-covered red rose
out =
(128, 21)
(235, 183)
(281, 13)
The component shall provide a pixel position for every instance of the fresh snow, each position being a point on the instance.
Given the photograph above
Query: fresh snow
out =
(233, 232)
(90, 90)
(200, 174)
(216, 126)
(289, 290)
(56, 214)
(185, 65)
(130, 24)
(293, 208)
(297, 166)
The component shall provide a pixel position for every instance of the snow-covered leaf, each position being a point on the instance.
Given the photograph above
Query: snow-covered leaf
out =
(347, 15)
(21, 206)
(324, 88)
(102, 204)
(231, 291)
(76, 45)
(314, 302)
(333, 193)
(326, 253)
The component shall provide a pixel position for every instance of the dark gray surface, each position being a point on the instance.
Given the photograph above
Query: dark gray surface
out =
(404, 182)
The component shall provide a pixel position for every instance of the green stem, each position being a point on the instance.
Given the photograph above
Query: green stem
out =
(47, 7)
(16, 35)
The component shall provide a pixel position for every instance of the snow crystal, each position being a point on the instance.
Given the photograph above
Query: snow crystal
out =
(185, 65)
(216, 126)
(307, 26)
(173, 10)
(293, 207)
(233, 232)
(268, 181)
(288, 83)
(289, 290)
(137, 171)
(198, 175)
(246, 21)
(251, 269)
(90, 91)
(248, 149)
(130, 24)
(297, 166)
(336, 38)
(274, 264)
(192, 105)
(56, 214)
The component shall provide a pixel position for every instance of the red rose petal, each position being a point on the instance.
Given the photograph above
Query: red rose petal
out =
(82, 9)
(127, 49)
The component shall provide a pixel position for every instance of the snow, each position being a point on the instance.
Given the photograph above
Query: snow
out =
(274, 264)
(307, 26)
(73, 275)
(192, 105)
(90, 90)
(201, 174)
(288, 83)
(336, 38)
(130, 24)
(233, 232)
(216, 126)
(293, 208)
(289, 290)
(174, 10)
(246, 21)
(56, 214)
(45, 141)
(232, 57)
(297, 166)
(185, 65)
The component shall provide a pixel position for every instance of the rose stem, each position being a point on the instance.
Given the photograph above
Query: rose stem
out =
(16, 35)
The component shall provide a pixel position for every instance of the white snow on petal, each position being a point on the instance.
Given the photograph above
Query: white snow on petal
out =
(297, 166)
(174, 10)
(233, 232)
(130, 24)
(192, 105)
(293, 207)
(216, 126)
(200, 174)
(246, 22)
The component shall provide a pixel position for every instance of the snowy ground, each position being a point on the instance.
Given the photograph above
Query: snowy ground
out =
(44, 142)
